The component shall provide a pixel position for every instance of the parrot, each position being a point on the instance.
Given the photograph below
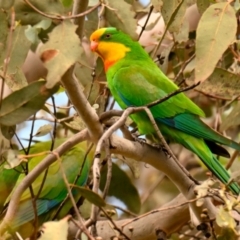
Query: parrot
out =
(8, 179)
(54, 190)
(135, 80)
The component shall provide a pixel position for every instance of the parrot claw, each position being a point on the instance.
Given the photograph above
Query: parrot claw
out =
(137, 139)
(161, 147)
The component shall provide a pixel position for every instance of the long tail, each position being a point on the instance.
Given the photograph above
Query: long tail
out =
(199, 147)
(191, 124)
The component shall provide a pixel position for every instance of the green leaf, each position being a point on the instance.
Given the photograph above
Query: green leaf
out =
(77, 124)
(55, 230)
(227, 233)
(67, 3)
(20, 46)
(202, 5)
(214, 35)
(236, 5)
(23, 103)
(173, 12)
(44, 130)
(26, 15)
(221, 83)
(119, 15)
(32, 31)
(91, 196)
(3, 34)
(12, 159)
(6, 4)
(132, 164)
(122, 188)
(60, 52)
(224, 218)
(182, 35)
(8, 131)
(16, 81)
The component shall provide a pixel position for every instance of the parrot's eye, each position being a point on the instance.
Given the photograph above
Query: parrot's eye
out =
(107, 36)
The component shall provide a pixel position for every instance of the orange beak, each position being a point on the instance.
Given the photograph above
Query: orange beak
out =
(94, 46)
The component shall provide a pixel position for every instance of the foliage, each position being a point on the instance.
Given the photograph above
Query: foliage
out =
(42, 45)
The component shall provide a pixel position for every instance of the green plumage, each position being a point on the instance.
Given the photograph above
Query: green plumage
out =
(8, 179)
(135, 80)
(54, 189)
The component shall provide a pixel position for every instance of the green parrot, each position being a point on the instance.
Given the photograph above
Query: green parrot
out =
(8, 179)
(54, 189)
(135, 80)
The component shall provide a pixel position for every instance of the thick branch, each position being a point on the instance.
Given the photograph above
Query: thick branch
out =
(167, 218)
(73, 88)
(82, 106)
(159, 160)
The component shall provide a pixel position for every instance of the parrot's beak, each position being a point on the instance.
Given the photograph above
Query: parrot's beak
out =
(94, 46)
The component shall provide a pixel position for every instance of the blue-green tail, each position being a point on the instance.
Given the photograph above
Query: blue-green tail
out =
(199, 147)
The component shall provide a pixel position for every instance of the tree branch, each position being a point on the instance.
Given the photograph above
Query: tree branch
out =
(57, 17)
(30, 178)
(168, 218)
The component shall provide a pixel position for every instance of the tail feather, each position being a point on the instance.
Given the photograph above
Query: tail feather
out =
(222, 174)
(199, 147)
(191, 124)
(235, 145)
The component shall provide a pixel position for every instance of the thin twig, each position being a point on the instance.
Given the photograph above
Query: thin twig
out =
(124, 210)
(163, 209)
(106, 115)
(31, 135)
(30, 187)
(215, 96)
(109, 172)
(63, 17)
(60, 107)
(163, 141)
(54, 133)
(167, 27)
(74, 183)
(232, 159)
(114, 225)
(80, 220)
(146, 22)
(96, 183)
(184, 65)
(180, 90)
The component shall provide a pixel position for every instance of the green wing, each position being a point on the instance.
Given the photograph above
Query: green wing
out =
(54, 190)
(142, 84)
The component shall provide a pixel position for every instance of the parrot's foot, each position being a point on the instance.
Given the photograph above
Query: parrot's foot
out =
(137, 139)
(161, 147)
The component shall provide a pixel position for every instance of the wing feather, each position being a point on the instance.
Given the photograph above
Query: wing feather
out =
(137, 86)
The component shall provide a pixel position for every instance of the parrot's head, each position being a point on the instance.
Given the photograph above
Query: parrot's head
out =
(111, 45)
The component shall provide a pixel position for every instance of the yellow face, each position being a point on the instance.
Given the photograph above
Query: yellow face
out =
(110, 52)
